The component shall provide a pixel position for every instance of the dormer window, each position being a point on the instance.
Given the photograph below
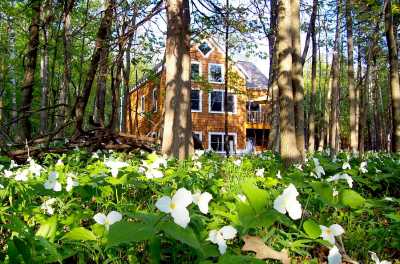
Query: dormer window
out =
(205, 48)
(215, 73)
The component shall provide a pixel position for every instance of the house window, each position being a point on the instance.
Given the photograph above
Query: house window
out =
(195, 70)
(154, 99)
(216, 141)
(216, 101)
(253, 106)
(215, 73)
(142, 104)
(198, 135)
(205, 48)
(196, 100)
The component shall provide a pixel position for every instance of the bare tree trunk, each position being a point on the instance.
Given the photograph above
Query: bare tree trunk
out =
(29, 75)
(226, 137)
(177, 133)
(297, 77)
(101, 41)
(311, 140)
(289, 151)
(393, 76)
(350, 78)
(311, 29)
(333, 120)
(99, 115)
(13, 78)
(274, 136)
(44, 75)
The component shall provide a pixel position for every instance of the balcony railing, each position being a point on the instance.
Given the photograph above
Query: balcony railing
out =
(256, 117)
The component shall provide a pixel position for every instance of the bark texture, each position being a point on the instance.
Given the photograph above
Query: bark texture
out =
(177, 133)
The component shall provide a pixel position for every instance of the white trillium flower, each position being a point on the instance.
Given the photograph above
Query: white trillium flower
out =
(202, 200)
(47, 206)
(160, 161)
(153, 173)
(13, 164)
(52, 183)
(319, 170)
(237, 162)
(60, 163)
(108, 220)
(22, 175)
(241, 197)
(299, 167)
(329, 233)
(390, 199)
(95, 155)
(7, 173)
(341, 176)
(219, 237)
(198, 165)
(346, 166)
(334, 256)
(287, 202)
(363, 167)
(71, 183)
(177, 206)
(260, 172)
(1, 186)
(34, 168)
(375, 258)
(278, 175)
(114, 166)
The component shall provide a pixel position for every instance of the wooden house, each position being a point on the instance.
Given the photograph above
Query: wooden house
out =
(249, 108)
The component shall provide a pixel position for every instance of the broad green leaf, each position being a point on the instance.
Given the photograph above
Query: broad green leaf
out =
(126, 232)
(312, 228)
(257, 198)
(48, 228)
(324, 190)
(79, 234)
(351, 198)
(249, 218)
(185, 235)
(229, 259)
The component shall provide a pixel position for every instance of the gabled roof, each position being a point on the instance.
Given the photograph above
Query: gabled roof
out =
(254, 77)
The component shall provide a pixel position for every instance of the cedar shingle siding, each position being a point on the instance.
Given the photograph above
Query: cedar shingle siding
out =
(241, 85)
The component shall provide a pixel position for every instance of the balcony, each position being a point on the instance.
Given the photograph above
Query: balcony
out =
(258, 120)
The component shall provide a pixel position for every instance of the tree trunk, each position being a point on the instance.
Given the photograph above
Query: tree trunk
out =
(99, 115)
(311, 141)
(13, 78)
(289, 151)
(311, 30)
(101, 41)
(226, 137)
(393, 76)
(177, 133)
(44, 75)
(297, 77)
(29, 74)
(350, 79)
(333, 120)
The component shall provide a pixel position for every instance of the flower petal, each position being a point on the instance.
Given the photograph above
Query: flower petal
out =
(222, 247)
(336, 229)
(57, 186)
(280, 204)
(294, 209)
(113, 217)
(204, 199)
(212, 236)
(181, 216)
(334, 256)
(228, 232)
(182, 198)
(163, 204)
(100, 218)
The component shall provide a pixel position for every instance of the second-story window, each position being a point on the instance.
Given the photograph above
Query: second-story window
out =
(216, 102)
(196, 100)
(195, 70)
(215, 73)
(142, 104)
(154, 99)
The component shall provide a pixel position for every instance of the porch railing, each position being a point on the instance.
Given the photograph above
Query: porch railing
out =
(257, 117)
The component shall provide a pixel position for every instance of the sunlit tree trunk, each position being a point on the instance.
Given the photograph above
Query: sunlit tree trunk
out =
(177, 132)
(44, 76)
(297, 77)
(393, 75)
(101, 86)
(288, 150)
(12, 74)
(29, 72)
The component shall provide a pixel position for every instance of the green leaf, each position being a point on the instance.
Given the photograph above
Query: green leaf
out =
(126, 232)
(257, 198)
(80, 234)
(229, 259)
(48, 228)
(249, 218)
(324, 190)
(184, 235)
(351, 198)
(312, 229)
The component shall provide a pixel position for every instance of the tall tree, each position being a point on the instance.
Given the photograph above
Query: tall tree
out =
(177, 133)
(297, 77)
(29, 74)
(289, 151)
(393, 75)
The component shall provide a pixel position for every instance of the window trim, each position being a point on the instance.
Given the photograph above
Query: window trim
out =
(154, 102)
(234, 134)
(200, 71)
(142, 104)
(200, 101)
(223, 103)
(209, 44)
(222, 72)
